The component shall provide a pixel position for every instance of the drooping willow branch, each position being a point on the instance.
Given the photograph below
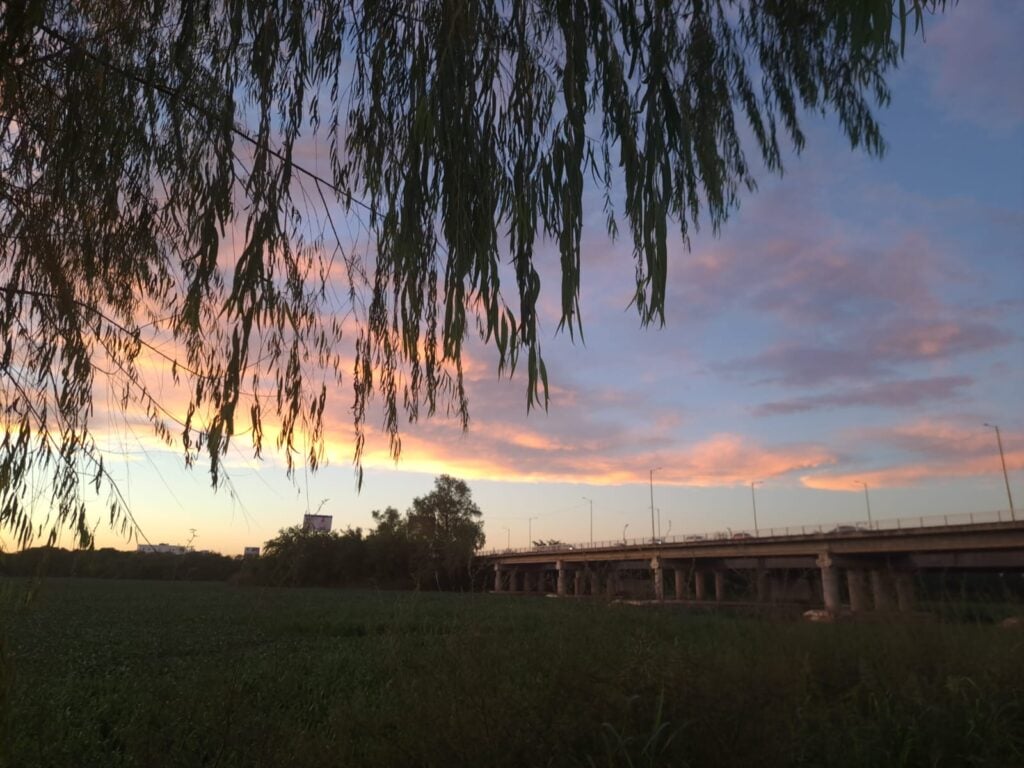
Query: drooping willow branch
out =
(137, 140)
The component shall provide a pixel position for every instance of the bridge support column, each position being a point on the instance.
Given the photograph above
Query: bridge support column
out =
(577, 586)
(857, 586)
(563, 578)
(881, 590)
(764, 586)
(829, 583)
(497, 578)
(595, 583)
(698, 584)
(527, 581)
(776, 587)
(719, 586)
(905, 591)
(611, 587)
(513, 580)
(680, 584)
(658, 577)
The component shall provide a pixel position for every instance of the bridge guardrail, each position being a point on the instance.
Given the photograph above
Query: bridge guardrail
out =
(730, 534)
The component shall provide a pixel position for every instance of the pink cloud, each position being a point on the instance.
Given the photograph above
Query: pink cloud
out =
(933, 449)
(499, 450)
(936, 339)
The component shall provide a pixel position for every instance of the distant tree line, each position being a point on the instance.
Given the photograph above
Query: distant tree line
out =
(115, 564)
(430, 546)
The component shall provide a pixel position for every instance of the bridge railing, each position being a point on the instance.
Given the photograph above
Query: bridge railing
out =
(861, 527)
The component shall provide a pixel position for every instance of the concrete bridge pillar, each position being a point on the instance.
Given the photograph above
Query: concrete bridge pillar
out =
(680, 584)
(905, 591)
(563, 578)
(527, 581)
(763, 586)
(719, 586)
(658, 577)
(595, 583)
(829, 583)
(497, 578)
(698, 584)
(881, 590)
(577, 587)
(611, 586)
(857, 586)
(513, 580)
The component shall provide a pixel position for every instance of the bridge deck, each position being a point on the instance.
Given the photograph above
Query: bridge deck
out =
(936, 541)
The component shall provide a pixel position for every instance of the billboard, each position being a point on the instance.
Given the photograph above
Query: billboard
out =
(317, 523)
(251, 552)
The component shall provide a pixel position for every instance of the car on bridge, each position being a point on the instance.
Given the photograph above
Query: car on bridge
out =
(849, 529)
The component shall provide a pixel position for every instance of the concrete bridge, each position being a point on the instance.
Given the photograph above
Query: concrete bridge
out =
(856, 565)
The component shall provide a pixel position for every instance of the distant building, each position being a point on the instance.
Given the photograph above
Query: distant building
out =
(166, 549)
(251, 552)
(317, 523)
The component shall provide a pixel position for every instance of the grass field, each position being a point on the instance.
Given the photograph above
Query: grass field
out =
(106, 673)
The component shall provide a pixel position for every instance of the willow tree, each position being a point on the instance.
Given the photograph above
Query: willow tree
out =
(254, 194)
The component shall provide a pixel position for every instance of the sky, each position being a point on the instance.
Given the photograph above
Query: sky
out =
(857, 321)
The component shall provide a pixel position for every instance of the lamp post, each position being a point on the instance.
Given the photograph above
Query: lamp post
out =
(753, 502)
(529, 530)
(1006, 477)
(591, 521)
(655, 469)
(867, 500)
(508, 537)
(624, 532)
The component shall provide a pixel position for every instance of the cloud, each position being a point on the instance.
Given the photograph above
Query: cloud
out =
(885, 394)
(863, 353)
(931, 450)
(596, 453)
(938, 339)
(729, 459)
(794, 260)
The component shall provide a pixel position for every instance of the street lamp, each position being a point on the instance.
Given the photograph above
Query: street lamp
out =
(867, 499)
(624, 532)
(508, 537)
(591, 520)
(753, 502)
(529, 530)
(1006, 477)
(653, 535)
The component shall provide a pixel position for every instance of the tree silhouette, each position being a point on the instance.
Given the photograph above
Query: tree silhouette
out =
(445, 532)
(232, 191)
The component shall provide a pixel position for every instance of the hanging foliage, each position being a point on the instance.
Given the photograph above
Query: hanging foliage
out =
(249, 193)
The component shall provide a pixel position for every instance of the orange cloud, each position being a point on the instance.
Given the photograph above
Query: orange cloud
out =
(496, 451)
(729, 459)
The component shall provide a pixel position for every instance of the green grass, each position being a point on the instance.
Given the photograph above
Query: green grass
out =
(169, 674)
